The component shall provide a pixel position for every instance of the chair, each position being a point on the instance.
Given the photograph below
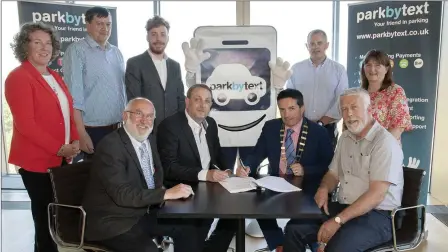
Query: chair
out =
(66, 216)
(409, 228)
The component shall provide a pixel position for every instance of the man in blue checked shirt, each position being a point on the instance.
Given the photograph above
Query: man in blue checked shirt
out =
(94, 73)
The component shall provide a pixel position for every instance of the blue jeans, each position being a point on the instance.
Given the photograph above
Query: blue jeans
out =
(371, 229)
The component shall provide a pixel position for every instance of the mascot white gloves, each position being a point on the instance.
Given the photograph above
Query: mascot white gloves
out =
(281, 73)
(194, 54)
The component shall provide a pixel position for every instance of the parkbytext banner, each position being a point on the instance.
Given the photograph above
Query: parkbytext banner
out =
(68, 20)
(409, 32)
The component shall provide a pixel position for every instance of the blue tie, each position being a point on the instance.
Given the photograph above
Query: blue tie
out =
(146, 166)
(289, 152)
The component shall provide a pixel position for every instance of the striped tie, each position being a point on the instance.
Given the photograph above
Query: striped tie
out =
(290, 153)
(146, 166)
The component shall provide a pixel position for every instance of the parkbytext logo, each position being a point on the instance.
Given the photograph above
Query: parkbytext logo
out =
(394, 13)
(239, 87)
(65, 18)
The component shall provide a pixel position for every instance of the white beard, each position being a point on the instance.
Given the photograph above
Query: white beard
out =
(135, 134)
(356, 129)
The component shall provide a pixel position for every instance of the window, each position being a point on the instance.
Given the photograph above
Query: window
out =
(10, 26)
(185, 17)
(131, 41)
(343, 31)
(293, 21)
(131, 21)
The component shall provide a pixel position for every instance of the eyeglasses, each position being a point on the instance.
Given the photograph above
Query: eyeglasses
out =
(140, 115)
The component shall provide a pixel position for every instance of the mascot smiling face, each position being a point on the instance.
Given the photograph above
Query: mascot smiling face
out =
(236, 62)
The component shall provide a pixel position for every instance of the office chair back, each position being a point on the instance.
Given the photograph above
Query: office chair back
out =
(69, 183)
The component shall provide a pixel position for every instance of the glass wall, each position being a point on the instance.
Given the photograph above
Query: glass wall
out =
(185, 16)
(131, 40)
(10, 25)
(343, 31)
(293, 21)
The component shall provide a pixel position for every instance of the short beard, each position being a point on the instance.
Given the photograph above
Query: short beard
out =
(158, 52)
(135, 134)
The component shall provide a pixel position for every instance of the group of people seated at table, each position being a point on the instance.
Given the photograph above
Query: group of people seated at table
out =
(134, 172)
(137, 167)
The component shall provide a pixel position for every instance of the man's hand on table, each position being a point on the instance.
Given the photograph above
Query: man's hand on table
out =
(180, 191)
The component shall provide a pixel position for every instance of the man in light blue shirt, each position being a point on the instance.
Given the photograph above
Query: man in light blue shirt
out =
(94, 72)
(321, 81)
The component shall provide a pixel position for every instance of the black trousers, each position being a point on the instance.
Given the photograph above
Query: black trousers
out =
(96, 134)
(38, 186)
(188, 235)
(220, 239)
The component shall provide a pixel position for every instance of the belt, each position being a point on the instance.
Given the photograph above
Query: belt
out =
(112, 126)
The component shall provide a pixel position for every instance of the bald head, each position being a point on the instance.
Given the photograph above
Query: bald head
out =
(139, 101)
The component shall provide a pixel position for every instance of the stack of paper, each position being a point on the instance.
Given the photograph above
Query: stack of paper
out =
(239, 184)
(276, 184)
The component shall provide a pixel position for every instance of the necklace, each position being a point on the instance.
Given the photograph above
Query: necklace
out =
(301, 143)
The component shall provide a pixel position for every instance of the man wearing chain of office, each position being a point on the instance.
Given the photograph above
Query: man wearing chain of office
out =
(294, 145)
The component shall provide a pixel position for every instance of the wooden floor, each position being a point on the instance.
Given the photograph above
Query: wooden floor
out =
(18, 231)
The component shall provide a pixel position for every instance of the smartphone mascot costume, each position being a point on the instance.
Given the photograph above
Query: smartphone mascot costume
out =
(194, 57)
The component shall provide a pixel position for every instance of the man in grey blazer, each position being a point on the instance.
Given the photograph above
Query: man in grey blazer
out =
(155, 76)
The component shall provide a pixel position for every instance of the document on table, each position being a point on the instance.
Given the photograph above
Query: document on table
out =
(276, 184)
(239, 184)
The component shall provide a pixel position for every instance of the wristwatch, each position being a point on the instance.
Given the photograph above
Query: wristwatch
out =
(320, 123)
(338, 220)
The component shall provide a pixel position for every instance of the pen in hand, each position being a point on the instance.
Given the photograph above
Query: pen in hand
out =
(227, 175)
(244, 170)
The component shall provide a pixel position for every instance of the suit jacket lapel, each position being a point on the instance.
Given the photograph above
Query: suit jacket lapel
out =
(277, 144)
(33, 71)
(153, 68)
(131, 150)
(169, 76)
(209, 138)
(189, 135)
(158, 171)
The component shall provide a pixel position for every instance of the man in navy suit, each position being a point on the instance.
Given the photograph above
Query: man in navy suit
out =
(293, 145)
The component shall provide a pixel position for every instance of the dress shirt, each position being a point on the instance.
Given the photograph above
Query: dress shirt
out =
(95, 78)
(320, 85)
(137, 145)
(295, 138)
(161, 67)
(201, 143)
(376, 157)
